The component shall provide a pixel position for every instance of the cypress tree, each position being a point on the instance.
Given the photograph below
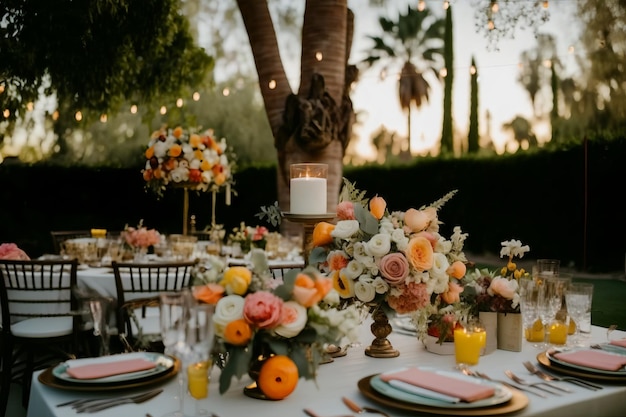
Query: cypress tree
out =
(447, 140)
(473, 136)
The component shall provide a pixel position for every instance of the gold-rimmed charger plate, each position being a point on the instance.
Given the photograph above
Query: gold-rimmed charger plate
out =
(47, 378)
(543, 360)
(516, 403)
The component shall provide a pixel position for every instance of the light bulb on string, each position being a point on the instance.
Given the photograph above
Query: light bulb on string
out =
(196, 96)
(133, 109)
(494, 6)
(473, 70)
(179, 103)
(446, 4)
(226, 92)
(319, 56)
(30, 106)
(78, 116)
(443, 72)
(272, 84)
(163, 110)
(421, 5)
(491, 25)
(55, 115)
(1, 88)
(6, 113)
(103, 118)
(546, 4)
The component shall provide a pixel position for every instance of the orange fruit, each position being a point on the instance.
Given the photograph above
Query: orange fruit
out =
(237, 332)
(278, 377)
(322, 233)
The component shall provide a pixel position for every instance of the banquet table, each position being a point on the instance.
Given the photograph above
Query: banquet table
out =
(340, 377)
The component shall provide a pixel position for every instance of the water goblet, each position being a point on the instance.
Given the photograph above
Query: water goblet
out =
(553, 302)
(533, 326)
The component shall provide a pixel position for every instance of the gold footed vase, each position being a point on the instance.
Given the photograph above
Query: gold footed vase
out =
(381, 347)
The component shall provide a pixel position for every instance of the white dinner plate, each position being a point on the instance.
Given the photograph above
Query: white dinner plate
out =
(549, 354)
(163, 364)
(502, 394)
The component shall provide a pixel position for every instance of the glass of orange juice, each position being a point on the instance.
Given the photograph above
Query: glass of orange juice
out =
(469, 341)
(199, 338)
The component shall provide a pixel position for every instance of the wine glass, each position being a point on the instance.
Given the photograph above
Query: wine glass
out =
(174, 312)
(552, 302)
(200, 336)
(529, 295)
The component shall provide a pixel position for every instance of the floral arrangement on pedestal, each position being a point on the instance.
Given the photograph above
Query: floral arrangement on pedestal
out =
(397, 260)
(185, 158)
(256, 315)
(139, 239)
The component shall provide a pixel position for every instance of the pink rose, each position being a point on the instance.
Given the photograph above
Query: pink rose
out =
(394, 268)
(263, 309)
(345, 210)
(12, 252)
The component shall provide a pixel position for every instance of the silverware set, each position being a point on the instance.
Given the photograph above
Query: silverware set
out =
(91, 405)
(548, 377)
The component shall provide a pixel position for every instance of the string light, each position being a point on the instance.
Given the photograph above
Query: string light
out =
(473, 69)
(272, 84)
(546, 4)
(55, 115)
(6, 113)
(491, 25)
(30, 106)
(179, 103)
(163, 110)
(78, 116)
(1, 88)
(319, 56)
(133, 109)
(196, 96)
(443, 72)
(421, 5)
(495, 6)
(446, 4)
(226, 92)
(103, 118)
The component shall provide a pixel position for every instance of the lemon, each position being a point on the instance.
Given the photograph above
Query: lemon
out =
(572, 327)
(558, 333)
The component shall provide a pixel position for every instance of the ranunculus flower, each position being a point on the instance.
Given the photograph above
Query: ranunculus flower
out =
(309, 291)
(209, 293)
(453, 294)
(228, 309)
(293, 320)
(263, 309)
(378, 206)
(337, 260)
(236, 280)
(345, 229)
(379, 244)
(365, 290)
(394, 267)
(12, 252)
(416, 220)
(345, 210)
(419, 252)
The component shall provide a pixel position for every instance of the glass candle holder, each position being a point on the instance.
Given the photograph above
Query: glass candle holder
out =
(308, 188)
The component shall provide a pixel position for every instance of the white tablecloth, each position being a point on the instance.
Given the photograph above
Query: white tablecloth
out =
(340, 377)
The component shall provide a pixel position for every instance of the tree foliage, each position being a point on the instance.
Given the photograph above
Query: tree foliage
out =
(96, 55)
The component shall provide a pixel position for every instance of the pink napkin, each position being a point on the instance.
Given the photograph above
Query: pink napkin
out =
(465, 390)
(595, 359)
(101, 370)
(619, 342)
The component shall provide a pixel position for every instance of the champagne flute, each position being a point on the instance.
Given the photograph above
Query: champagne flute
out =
(200, 336)
(174, 312)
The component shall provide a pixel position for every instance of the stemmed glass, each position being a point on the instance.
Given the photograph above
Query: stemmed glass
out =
(529, 297)
(551, 301)
(578, 299)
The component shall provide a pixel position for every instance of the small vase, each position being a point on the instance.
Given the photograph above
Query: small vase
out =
(489, 319)
(381, 347)
(510, 331)
(261, 353)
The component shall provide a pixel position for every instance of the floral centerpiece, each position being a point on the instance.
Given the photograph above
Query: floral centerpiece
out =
(248, 237)
(179, 157)
(395, 259)
(497, 291)
(257, 315)
(139, 239)
(12, 252)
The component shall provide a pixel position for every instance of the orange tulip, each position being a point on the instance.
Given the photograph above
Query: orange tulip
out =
(377, 207)
(322, 233)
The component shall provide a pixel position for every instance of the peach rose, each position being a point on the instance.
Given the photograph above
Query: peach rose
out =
(420, 253)
(457, 270)
(453, 295)
(394, 268)
(209, 293)
(377, 207)
(416, 220)
(309, 291)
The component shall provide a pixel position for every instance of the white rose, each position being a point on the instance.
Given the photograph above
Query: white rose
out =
(379, 245)
(160, 149)
(294, 319)
(440, 266)
(353, 269)
(228, 309)
(345, 229)
(361, 253)
(332, 298)
(380, 285)
(180, 174)
(364, 290)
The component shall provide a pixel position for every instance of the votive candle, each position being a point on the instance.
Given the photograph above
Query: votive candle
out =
(308, 188)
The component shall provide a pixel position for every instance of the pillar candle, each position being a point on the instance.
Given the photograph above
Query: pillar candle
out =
(308, 195)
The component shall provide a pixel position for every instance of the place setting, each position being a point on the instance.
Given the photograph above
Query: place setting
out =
(586, 362)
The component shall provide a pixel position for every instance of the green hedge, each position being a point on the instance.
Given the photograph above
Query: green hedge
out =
(564, 203)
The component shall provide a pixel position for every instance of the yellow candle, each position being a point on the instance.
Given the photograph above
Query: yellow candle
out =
(558, 333)
(467, 345)
(198, 379)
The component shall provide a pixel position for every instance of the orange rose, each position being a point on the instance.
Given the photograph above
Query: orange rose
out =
(416, 220)
(209, 293)
(419, 252)
(308, 291)
(453, 293)
(177, 132)
(457, 270)
(377, 207)
(195, 140)
(322, 233)
(175, 151)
